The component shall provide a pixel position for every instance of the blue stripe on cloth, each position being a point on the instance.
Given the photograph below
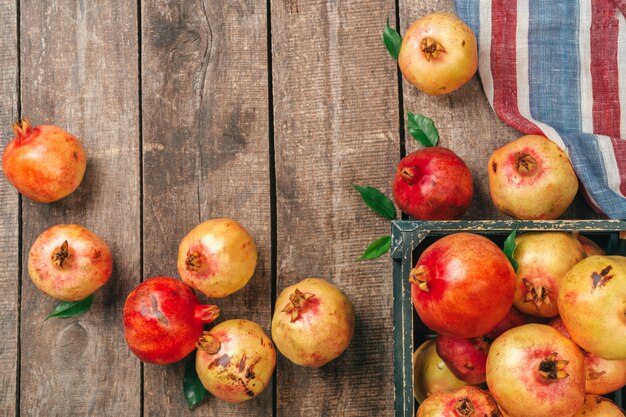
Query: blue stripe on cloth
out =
(469, 12)
(554, 64)
(587, 160)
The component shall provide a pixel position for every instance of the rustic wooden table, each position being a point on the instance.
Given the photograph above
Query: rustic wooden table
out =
(264, 111)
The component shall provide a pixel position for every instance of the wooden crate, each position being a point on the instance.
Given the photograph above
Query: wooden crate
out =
(411, 238)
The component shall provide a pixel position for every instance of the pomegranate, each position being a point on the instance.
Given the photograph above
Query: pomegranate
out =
(462, 402)
(235, 360)
(45, 163)
(531, 178)
(466, 358)
(513, 319)
(438, 54)
(543, 260)
(462, 285)
(590, 247)
(534, 370)
(602, 376)
(592, 303)
(433, 184)
(596, 406)
(217, 257)
(430, 373)
(163, 320)
(69, 262)
(313, 322)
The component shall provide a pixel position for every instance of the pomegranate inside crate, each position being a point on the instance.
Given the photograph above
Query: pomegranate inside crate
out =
(539, 299)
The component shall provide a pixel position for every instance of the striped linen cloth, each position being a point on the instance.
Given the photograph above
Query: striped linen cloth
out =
(558, 68)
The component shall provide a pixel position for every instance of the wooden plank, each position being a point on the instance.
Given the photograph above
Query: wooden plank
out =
(336, 122)
(206, 155)
(9, 213)
(80, 71)
(466, 123)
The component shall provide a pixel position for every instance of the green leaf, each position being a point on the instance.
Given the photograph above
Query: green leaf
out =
(377, 248)
(509, 249)
(392, 40)
(377, 201)
(66, 309)
(422, 129)
(192, 387)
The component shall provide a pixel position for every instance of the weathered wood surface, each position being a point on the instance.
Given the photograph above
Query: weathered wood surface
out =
(203, 146)
(9, 215)
(336, 122)
(79, 71)
(206, 155)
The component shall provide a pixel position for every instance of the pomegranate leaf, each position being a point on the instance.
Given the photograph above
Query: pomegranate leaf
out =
(66, 309)
(422, 129)
(192, 387)
(392, 40)
(509, 248)
(377, 248)
(377, 201)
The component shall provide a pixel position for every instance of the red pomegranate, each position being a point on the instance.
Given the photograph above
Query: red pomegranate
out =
(163, 320)
(433, 184)
(513, 319)
(462, 285)
(533, 370)
(602, 376)
(313, 322)
(235, 360)
(69, 262)
(590, 247)
(462, 402)
(45, 163)
(466, 358)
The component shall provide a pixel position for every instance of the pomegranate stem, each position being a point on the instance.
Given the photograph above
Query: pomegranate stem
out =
(420, 276)
(206, 313)
(21, 128)
(208, 343)
(296, 301)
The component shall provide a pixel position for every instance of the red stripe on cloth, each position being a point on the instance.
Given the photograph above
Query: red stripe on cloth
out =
(604, 76)
(619, 149)
(621, 4)
(503, 65)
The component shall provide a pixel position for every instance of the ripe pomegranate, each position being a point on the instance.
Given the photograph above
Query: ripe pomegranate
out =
(438, 54)
(590, 247)
(462, 402)
(217, 257)
(513, 319)
(602, 376)
(45, 163)
(235, 360)
(596, 406)
(466, 358)
(531, 178)
(433, 184)
(313, 322)
(430, 373)
(592, 303)
(69, 262)
(163, 320)
(462, 285)
(534, 370)
(543, 260)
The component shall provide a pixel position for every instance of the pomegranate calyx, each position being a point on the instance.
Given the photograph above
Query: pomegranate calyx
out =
(431, 48)
(552, 369)
(464, 407)
(206, 313)
(419, 276)
(525, 164)
(208, 343)
(296, 301)
(536, 295)
(193, 262)
(21, 127)
(407, 173)
(61, 254)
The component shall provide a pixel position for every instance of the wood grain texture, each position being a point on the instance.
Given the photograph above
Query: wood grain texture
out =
(467, 124)
(336, 122)
(9, 210)
(206, 155)
(80, 71)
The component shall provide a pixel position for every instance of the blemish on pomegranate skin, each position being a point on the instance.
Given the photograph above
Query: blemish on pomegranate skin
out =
(494, 166)
(242, 363)
(222, 361)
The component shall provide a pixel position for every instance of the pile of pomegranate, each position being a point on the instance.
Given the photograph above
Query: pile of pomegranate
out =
(544, 340)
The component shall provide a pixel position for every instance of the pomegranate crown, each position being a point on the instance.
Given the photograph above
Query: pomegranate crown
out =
(21, 127)
(296, 301)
